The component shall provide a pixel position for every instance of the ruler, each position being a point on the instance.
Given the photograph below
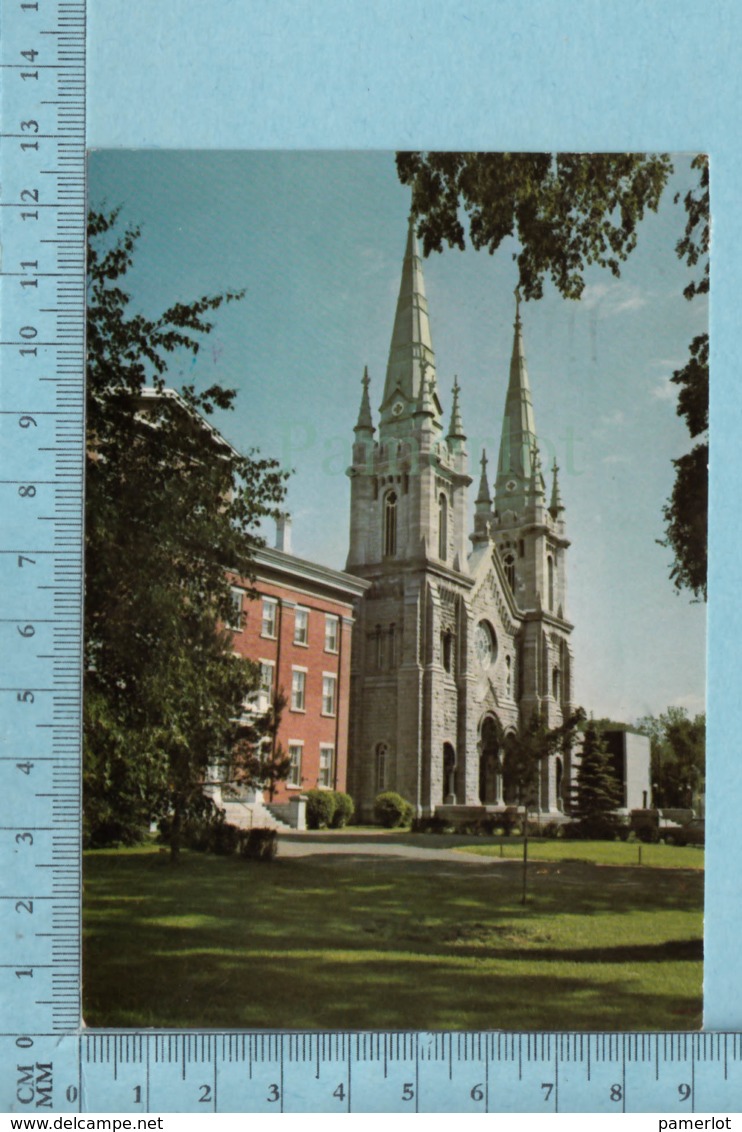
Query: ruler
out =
(42, 332)
(47, 1063)
(544, 1073)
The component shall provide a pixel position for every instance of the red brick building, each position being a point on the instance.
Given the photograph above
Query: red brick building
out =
(299, 630)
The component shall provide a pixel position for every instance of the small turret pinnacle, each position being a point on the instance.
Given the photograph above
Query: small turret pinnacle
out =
(456, 428)
(365, 420)
(426, 403)
(556, 506)
(484, 490)
(537, 485)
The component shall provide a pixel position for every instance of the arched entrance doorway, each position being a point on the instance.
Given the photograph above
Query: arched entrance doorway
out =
(490, 766)
(510, 773)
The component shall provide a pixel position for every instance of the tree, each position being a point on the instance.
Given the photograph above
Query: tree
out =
(567, 211)
(678, 754)
(525, 754)
(169, 505)
(598, 791)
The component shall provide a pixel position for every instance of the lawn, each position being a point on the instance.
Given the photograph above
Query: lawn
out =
(597, 852)
(365, 942)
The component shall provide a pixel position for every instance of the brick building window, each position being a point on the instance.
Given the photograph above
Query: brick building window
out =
(296, 750)
(265, 692)
(326, 759)
(331, 632)
(268, 624)
(329, 689)
(301, 626)
(236, 599)
(298, 689)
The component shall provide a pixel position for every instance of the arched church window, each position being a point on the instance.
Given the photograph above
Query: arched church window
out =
(555, 684)
(550, 569)
(390, 524)
(509, 675)
(381, 768)
(510, 570)
(442, 527)
(447, 649)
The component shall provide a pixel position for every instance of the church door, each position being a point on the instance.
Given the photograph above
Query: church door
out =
(490, 783)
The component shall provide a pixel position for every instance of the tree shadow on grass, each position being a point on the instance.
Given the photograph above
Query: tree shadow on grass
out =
(372, 943)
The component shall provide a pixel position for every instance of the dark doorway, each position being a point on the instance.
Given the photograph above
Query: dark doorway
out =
(489, 763)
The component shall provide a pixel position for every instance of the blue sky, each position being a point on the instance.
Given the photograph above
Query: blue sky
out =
(317, 240)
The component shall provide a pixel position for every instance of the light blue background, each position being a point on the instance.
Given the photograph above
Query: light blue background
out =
(548, 75)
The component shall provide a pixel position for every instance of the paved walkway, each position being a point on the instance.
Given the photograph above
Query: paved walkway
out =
(382, 844)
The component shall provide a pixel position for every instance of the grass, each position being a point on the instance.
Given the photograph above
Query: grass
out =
(363, 942)
(597, 852)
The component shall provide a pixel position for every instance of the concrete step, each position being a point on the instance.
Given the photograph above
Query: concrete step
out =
(252, 815)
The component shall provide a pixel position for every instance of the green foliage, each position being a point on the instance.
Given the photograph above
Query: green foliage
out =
(344, 810)
(564, 212)
(686, 512)
(168, 505)
(598, 792)
(678, 753)
(525, 752)
(391, 810)
(320, 808)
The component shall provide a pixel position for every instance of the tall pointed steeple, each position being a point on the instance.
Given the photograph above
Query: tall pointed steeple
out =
(518, 427)
(411, 359)
(456, 427)
(556, 507)
(365, 420)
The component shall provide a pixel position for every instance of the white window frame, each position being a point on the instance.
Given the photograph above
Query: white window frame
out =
(332, 621)
(236, 613)
(332, 711)
(296, 671)
(301, 610)
(295, 745)
(265, 691)
(272, 604)
(328, 769)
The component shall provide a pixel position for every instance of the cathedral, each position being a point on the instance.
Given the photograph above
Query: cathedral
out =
(462, 633)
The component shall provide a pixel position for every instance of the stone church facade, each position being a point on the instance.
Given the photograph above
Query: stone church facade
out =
(463, 632)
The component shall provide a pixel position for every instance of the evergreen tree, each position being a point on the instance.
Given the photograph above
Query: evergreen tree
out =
(169, 505)
(598, 792)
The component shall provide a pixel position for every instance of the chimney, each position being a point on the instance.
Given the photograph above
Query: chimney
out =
(283, 533)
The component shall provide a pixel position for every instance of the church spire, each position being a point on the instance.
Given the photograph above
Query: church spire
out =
(518, 427)
(484, 491)
(456, 428)
(411, 350)
(556, 506)
(365, 420)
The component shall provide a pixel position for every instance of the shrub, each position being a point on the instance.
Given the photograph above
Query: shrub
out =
(343, 810)
(320, 808)
(225, 838)
(391, 810)
(258, 844)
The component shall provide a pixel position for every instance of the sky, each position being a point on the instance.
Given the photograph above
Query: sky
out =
(317, 241)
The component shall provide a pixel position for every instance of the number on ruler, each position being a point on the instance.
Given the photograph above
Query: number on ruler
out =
(26, 631)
